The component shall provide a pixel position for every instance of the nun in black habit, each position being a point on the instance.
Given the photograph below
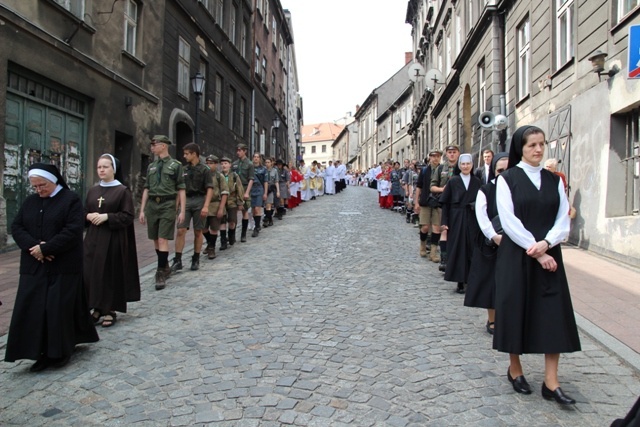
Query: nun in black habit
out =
(458, 218)
(110, 258)
(481, 284)
(534, 313)
(50, 315)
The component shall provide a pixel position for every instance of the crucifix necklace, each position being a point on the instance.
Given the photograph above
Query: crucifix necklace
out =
(100, 200)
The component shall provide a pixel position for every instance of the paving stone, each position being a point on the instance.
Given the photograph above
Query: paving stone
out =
(336, 335)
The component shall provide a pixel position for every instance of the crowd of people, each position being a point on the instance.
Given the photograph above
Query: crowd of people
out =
(496, 232)
(70, 284)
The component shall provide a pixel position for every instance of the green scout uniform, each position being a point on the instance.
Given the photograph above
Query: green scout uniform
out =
(164, 179)
(245, 170)
(197, 180)
(220, 187)
(441, 175)
(236, 190)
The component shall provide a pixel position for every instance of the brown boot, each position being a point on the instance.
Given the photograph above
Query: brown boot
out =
(211, 253)
(161, 281)
(423, 248)
(434, 254)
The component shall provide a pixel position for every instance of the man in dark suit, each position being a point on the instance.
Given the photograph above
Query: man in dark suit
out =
(482, 172)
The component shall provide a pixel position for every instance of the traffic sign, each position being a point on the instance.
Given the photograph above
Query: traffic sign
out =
(634, 52)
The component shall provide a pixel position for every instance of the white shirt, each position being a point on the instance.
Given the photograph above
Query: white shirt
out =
(512, 225)
(483, 218)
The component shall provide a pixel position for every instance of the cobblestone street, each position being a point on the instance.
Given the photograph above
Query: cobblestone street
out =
(328, 318)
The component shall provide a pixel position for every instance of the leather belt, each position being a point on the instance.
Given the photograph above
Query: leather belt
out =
(160, 199)
(194, 195)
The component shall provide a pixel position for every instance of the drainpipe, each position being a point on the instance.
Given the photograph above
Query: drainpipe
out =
(253, 121)
(500, 17)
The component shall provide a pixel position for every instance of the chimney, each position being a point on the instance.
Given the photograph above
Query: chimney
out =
(408, 57)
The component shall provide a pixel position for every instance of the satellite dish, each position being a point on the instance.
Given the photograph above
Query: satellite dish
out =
(433, 78)
(415, 72)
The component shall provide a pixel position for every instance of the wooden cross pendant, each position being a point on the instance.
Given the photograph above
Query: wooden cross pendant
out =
(100, 200)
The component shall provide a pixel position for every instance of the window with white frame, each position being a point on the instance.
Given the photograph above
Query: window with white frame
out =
(256, 129)
(184, 52)
(470, 22)
(624, 7)
(459, 33)
(232, 108)
(203, 70)
(482, 95)
(257, 70)
(220, 12)
(130, 26)
(449, 130)
(218, 98)
(441, 136)
(265, 12)
(447, 63)
(313, 149)
(243, 39)
(324, 148)
(232, 24)
(264, 70)
(242, 115)
(564, 39)
(209, 5)
(74, 6)
(524, 59)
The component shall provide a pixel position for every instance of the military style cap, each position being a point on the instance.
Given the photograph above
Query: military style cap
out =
(241, 146)
(212, 158)
(161, 138)
(225, 159)
(435, 152)
(452, 147)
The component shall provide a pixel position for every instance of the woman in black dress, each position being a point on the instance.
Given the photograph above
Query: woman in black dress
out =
(534, 313)
(50, 315)
(458, 218)
(110, 259)
(481, 287)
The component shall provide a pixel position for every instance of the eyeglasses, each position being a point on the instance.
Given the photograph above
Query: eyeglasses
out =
(41, 186)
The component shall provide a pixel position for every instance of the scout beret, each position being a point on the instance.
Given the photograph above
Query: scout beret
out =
(452, 147)
(161, 138)
(225, 159)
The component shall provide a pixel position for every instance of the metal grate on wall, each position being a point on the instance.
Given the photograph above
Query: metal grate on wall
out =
(45, 93)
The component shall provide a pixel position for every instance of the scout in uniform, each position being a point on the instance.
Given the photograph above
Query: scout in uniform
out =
(197, 179)
(273, 191)
(244, 168)
(284, 179)
(163, 189)
(235, 201)
(439, 179)
(219, 194)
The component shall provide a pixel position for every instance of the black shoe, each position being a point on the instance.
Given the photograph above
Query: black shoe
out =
(195, 262)
(232, 237)
(490, 330)
(558, 395)
(177, 265)
(519, 384)
(60, 362)
(41, 364)
(443, 266)
(255, 233)
(460, 288)
(223, 244)
(243, 237)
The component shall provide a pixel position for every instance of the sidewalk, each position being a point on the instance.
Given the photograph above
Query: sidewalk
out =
(606, 295)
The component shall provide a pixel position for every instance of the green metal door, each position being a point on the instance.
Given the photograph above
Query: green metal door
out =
(36, 132)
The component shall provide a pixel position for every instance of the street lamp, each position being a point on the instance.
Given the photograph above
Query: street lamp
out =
(274, 135)
(298, 145)
(197, 85)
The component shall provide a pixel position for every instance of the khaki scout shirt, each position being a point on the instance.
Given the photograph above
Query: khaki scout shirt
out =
(197, 179)
(441, 175)
(220, 187)
(165, 177)
(236, 190)
(244, 169)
